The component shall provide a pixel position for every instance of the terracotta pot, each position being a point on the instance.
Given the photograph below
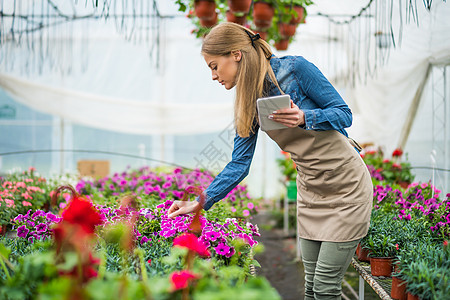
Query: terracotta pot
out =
(231, 17)
(205, 9)
(262, 14)
(398, 289)
(240, 6)
(403, 184)
(381, 266)
(281, 44)
(411, 296)
(362, 254)
(210, 22)
(300, 10)
(262, 34)
(286, 29)
(3, 229)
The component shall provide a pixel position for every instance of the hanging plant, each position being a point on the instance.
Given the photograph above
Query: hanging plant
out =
(238, 18)
(239, 6)
(263, 12)
(205, 9)
(275, 20)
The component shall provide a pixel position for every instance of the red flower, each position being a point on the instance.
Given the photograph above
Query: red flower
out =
(149, 261)
(286, 154)
(396, 247)
(190, 241)
(397, 152)
(180, 280)
(87, 269)
(83, 213)
(445, 243)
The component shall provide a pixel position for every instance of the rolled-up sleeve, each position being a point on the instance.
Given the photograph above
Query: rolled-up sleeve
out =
(234, 172)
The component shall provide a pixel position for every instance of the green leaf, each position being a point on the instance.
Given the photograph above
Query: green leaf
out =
(4, 251)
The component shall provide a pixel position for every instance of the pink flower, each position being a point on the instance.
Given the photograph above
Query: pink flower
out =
(250, 205)
(190, 241)
(26, 203)
(233, 209)
(246, 213)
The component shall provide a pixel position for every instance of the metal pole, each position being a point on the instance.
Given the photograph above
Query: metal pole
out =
(286, 215)
(361, 288)
(446, 134)
(61, 146)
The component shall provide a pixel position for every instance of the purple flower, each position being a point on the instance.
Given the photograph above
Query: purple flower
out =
(212, 235)
(222, 249)
(19, 218)
(36, 214)
(41, 227)
(145, 240)
(22, 231)
(230, 253)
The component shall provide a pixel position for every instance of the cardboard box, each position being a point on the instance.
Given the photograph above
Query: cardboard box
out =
(93, 168)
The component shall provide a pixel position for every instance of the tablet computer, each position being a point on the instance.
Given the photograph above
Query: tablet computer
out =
(266, 106)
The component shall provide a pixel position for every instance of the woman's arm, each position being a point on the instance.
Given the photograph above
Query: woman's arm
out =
(333, 112)
(233, 173)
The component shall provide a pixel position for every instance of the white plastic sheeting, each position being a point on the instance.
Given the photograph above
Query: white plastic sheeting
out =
(384, 103)
(121, 115)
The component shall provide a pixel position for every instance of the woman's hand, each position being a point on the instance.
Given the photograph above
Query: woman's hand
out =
(182, 208)
(290, 117)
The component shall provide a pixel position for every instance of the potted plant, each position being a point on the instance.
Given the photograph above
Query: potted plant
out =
(291, 13)
(239, 6)
(381, 242)
(289, 171)
(426, 269)
(263, 12)
(236, 17)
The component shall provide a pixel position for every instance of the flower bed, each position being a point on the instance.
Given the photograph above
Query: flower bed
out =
(410, 224)
(112, 239)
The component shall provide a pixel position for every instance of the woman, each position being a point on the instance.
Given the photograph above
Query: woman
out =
(334, 185)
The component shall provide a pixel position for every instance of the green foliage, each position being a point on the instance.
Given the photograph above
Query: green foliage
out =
(287, 167)
(426, 269)
(387, 234)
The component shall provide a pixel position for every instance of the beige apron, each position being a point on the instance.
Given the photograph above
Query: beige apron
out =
(334, 187)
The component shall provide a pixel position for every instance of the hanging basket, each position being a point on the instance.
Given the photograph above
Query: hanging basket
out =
(231, 17)
(282, 44)
(287, 29)
(239, 6)
(300, 10)
(209, 22)
(205, 9)
(262, 14)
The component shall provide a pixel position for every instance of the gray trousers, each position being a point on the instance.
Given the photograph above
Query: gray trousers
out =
(325, 264)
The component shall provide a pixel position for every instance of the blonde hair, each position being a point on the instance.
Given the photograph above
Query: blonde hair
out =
(251, 75)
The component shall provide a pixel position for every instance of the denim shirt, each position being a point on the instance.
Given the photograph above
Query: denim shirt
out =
(322, 105)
